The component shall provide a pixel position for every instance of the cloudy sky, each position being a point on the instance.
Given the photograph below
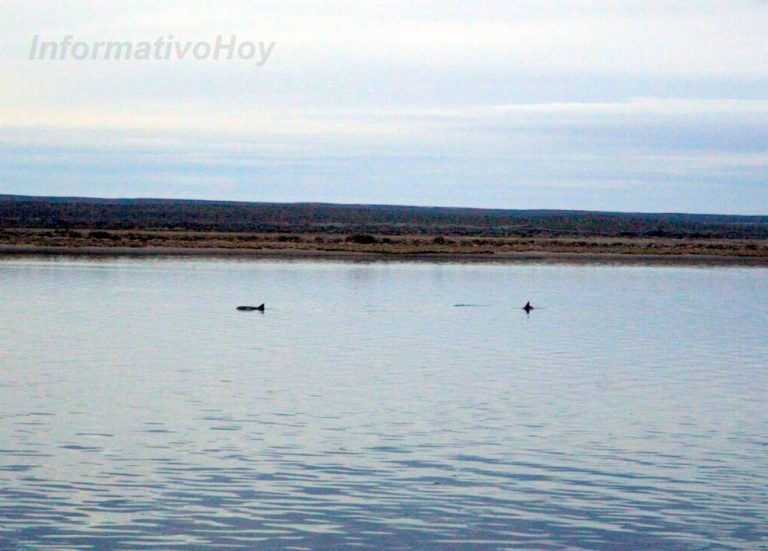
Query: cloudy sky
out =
(584, 104)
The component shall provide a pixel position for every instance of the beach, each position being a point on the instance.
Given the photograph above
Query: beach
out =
(364, 246)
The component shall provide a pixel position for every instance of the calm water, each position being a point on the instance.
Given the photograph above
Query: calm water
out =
(138, 409)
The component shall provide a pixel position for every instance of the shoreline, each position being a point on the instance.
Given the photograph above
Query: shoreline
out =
(384, 247)
(585, 257)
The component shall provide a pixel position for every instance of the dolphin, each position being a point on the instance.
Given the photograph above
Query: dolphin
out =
(251, 308)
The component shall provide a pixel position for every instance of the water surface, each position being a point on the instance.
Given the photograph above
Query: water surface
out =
(363, 409)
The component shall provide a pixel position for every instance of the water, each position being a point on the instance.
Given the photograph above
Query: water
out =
(139, 409)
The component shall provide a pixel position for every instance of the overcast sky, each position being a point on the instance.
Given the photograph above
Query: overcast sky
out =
(626, 105)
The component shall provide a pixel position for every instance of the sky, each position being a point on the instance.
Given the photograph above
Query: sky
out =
(656, 106)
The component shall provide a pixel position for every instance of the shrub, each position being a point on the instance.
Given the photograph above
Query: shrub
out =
(362, 239)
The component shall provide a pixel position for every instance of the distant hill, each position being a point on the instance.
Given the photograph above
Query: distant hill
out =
(193, 215)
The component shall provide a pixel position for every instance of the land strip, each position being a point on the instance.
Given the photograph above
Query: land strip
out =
(84, 241)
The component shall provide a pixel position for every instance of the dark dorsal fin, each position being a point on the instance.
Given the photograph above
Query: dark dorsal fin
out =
(251, 308)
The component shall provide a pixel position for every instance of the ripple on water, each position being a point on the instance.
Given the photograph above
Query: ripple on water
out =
(366, 411)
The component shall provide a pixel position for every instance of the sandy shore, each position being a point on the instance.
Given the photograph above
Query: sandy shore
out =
(427, 248)
(555, 258)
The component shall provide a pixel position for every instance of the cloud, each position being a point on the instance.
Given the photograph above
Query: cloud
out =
(592, 155)
(491, 102)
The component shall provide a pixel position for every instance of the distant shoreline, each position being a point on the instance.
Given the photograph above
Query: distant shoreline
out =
(10, 251)
(365, 246)
(72, 214)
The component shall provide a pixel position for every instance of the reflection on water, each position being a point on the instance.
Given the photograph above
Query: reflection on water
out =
(139, 408)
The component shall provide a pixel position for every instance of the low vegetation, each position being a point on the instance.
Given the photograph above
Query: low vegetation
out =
(39, 223)
(380, 220)
(306, 243)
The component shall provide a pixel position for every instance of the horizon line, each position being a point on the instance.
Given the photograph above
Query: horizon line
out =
(6, 196)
